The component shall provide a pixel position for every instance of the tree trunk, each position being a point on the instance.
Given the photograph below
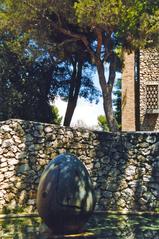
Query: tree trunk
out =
(107, 87)
(108, 109)
(74, 91)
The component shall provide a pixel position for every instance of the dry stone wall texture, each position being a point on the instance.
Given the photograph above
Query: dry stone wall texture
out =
(124, 167)
(149, 74)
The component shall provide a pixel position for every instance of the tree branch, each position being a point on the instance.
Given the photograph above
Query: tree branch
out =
(66, 42)
(75, 36)
(112, 70)
(106, 41)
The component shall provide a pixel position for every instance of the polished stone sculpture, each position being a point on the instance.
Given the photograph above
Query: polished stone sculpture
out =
(65, 198)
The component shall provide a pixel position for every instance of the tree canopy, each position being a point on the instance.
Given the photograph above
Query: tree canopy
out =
(24, 87)
(31, 80)
(134, 22)
(98, 29)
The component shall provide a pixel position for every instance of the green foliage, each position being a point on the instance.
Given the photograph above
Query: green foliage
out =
(24, 87)
(62, 79)
(135, 22)
(97, 12)
(35, 20)
(102, 122)
(97, 30)
(56, 117)
(28, 82)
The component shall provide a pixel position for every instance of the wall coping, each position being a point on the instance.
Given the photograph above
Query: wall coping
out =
(80, 129)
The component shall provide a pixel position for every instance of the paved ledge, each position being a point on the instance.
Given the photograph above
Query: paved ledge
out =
(127, 213)
(4, 216)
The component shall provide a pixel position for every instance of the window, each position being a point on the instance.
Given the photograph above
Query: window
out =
(152, 98)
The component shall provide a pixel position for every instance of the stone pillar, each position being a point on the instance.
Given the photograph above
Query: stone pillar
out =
(128, 93)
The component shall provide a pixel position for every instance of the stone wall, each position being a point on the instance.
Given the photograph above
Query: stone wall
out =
(149, 73)
(124, 167)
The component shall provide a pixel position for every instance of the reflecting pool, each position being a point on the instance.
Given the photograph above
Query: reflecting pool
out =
(100, 226)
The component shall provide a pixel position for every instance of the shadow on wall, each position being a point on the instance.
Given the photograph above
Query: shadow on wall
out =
(127, 173)
(109, 172)
(145, 195)
(149, 122)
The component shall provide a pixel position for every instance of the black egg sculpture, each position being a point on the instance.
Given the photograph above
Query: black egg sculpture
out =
(65, 198)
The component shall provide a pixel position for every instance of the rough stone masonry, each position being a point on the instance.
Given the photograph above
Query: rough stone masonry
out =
(124, 167)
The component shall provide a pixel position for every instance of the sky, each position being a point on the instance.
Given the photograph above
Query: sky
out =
(85, 111)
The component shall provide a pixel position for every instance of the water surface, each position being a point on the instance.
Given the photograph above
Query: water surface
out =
(99, 226)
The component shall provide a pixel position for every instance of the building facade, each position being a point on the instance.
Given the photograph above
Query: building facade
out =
(140, 91)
